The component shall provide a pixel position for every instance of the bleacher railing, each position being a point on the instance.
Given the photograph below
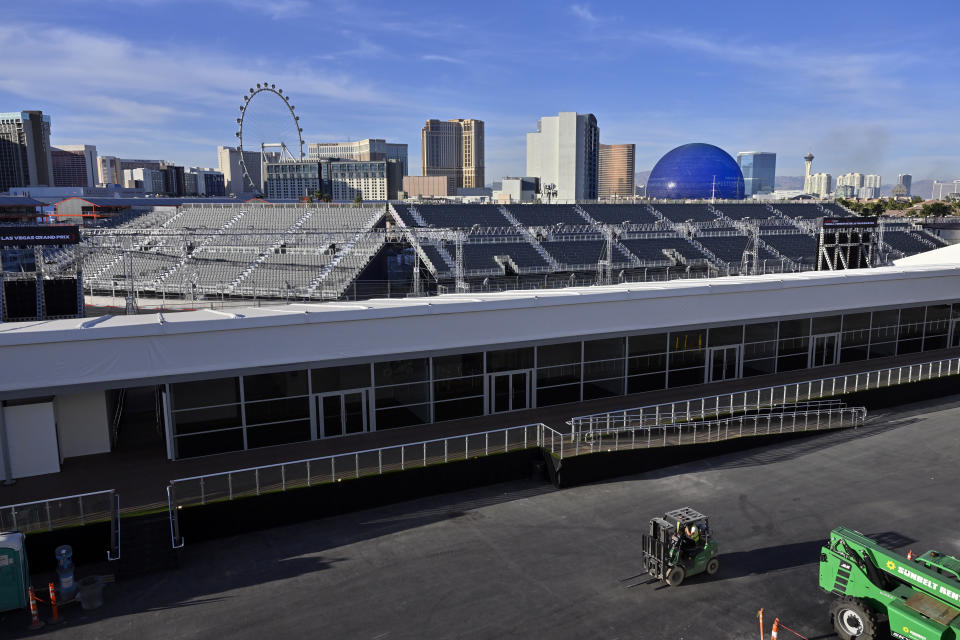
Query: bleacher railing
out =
(283, 476)
(66, 511)
(756, 399)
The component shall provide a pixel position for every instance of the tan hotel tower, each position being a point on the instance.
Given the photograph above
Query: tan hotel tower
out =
(454, 149)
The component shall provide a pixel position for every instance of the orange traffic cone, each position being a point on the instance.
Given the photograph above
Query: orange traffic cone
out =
(35, 622)
(775, 630)
(53, 605)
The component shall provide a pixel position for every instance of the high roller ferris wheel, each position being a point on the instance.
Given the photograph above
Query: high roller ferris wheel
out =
(287, 140)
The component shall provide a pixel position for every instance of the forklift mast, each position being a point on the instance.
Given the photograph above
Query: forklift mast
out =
(920, 596)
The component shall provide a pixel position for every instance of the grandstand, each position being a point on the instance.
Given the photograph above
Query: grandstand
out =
(308, 251)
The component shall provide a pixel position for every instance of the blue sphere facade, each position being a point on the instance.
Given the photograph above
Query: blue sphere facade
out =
(696, 171)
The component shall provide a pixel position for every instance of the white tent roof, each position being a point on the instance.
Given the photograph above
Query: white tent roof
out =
(949, 255)
(122, 349)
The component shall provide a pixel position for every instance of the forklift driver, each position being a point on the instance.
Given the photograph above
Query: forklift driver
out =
(691, 539)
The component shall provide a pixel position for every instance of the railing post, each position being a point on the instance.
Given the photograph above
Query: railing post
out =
(486, 444)
(402, 463)
(230, 483)
(203, 491)
(283, 477)
(309, 479)
(256, 479)
(356, 465)
(333, 471)
(49, 520)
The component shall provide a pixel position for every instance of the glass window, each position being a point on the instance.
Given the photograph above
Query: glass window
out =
(654, 343)
(400, 371)
(458, 366)
(911, 323)
(686, 359)
(402, 394)
(726, 335)
(558, 395)
(554, 354)
(603, 349)
(794, 328)
(602, 389)
(883, 349)
(760, 332)
(603, 369)
(759, 367)
(829, 324)
(564, 374)
(687, 340)
(509, 359)
(457, 388)
(205, 393)
(205, 444)
(355, 376)
(685, 377)
(883, 326)
(283, 433)
(647, 364)
(403, 416)
(653, 382)
(793, 362)
(759, 350)
(275, 385)
(277, 410)
(855, 321)
(195, 420)
(456, 409)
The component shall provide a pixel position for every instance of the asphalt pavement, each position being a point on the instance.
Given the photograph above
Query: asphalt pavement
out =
(526, 560)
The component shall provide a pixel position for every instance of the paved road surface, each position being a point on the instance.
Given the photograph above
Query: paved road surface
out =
(525, 560)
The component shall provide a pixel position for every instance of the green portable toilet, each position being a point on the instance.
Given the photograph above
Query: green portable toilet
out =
(14, 574)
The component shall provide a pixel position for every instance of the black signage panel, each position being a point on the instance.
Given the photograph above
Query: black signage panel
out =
(849, 222)
(37, 235)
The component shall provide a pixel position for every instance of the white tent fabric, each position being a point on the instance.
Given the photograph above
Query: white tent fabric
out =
(64, 354)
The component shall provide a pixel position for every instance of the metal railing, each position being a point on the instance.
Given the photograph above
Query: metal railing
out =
(66, 511)
(794, 419)
(741, 401)
(272, 478)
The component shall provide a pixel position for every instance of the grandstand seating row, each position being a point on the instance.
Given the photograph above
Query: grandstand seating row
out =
(319, 250)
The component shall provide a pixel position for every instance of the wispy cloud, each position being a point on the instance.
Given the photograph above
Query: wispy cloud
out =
(827, 69)
(583, 12)
(432, 57)
(127, 76)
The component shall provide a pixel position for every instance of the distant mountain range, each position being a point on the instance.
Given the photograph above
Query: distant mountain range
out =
(922, 188)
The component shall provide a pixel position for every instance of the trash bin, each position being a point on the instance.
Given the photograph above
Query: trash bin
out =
(90, 593)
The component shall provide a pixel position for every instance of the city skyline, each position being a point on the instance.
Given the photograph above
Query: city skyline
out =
(735, 82)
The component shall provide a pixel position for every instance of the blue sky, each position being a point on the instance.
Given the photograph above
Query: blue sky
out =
(867, 86)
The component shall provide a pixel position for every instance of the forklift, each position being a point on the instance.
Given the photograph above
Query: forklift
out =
(670, 555)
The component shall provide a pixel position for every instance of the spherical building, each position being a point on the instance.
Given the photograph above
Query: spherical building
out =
(696, 171)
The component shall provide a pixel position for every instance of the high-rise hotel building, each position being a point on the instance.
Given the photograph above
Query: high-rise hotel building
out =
(26, 158)
(616, 170)
(454, 149)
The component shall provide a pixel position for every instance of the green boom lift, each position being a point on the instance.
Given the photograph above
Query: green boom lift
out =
(918, 598)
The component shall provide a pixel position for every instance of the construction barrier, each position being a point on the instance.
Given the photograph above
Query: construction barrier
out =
(53, 604)
(35, 622)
